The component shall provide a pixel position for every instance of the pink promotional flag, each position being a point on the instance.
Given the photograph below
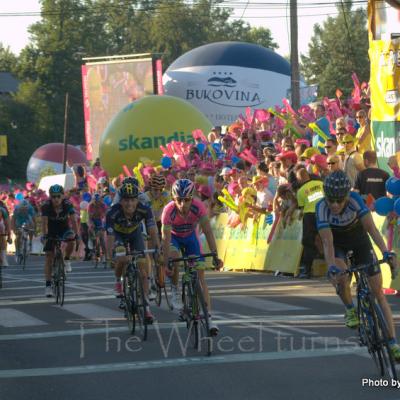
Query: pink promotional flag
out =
(261, 115)
(289, 107)
(166, 152)
(92, 182)
(199, 135)
(126, 170)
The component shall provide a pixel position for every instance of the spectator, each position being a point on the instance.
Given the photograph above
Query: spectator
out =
(394, 166)
(334, 163)
(309, 193)
(372, 179)
(288, 160)
(340, 134)
(353, 162)
(331, 146)
(363, 136)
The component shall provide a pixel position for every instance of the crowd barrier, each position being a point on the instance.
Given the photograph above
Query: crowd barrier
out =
(248, 249)
(255, 248)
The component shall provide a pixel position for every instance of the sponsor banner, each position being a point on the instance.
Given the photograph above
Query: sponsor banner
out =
(385, 79)
(3, 146)
(107, 88)
(387, 141)
(159, 74)
(222, 93)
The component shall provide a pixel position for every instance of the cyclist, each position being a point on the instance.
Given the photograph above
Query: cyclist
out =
(180, 219)
(124, 225)
(97, 214)
(4, 230)
(58, 216)
(158, 197)
(344, 223)
(24, 214)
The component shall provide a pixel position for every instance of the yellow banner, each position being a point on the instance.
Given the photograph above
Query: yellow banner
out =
(3, 145)
(385, 79)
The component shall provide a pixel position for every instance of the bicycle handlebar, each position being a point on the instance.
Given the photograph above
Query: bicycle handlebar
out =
(191, 258)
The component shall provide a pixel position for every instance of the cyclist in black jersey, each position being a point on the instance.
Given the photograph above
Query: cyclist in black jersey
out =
(124, 225)
(58, 217)
(345, 224)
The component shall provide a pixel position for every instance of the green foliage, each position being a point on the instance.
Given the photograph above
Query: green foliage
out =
(47, 170)
(50, 65)
(337, 49)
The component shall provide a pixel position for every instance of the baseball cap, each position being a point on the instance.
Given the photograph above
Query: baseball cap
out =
(225, 171)
(288, 155)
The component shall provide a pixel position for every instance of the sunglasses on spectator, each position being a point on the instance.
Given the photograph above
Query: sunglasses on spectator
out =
(339, 200)
(57, 196)
(359, 116)
(328, 147)
(332, 162)
(183, 199)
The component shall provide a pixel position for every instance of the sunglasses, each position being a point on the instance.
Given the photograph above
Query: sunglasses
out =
(328, 147)
(359, 116)
(56, 197)
(183, 199)
(339, 200)
(332, 163)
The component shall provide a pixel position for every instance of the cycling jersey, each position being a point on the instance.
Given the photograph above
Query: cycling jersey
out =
(158, 205)
(183, 226)
(97, 211)
(346, 227)
(118, 223)
(58, 222)
(23, 215)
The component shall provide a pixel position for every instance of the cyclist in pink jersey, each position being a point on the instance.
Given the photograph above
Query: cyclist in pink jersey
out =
(180, 219)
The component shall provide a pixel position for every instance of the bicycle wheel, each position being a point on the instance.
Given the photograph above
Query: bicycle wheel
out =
(140, 306)
(24, 253)
(129, 303)
(204, 321)
(366, 330)
(96, 252)
(387, 364)
(188, 314)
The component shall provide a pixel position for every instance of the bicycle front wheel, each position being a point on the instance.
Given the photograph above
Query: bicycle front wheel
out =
(387, 363)
(129, 304)
(204, 335)
(24, 254)
(140, 306)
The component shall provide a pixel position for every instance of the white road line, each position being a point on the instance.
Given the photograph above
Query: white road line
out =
(175, 362)
(11, 318)
(92, 311)
(260, 304)
(44, 300)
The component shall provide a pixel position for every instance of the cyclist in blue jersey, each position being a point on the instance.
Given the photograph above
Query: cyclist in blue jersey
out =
(345, 224)
(24, 214)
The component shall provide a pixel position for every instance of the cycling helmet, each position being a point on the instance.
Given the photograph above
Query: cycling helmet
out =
(56, 189)
(183, 188)
(128, 190)
(158, 182)
(131, 180)
(337, 185)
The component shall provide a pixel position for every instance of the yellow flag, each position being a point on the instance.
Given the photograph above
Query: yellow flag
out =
(3, 145)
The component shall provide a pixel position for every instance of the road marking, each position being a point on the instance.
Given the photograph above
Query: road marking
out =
(175, 362)
(51, 300)
(260, 304)
(11, 318)
(92, 311)
(250, 289)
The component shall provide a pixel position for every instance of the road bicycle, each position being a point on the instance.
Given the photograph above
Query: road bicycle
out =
(23, 246)
(99, 245)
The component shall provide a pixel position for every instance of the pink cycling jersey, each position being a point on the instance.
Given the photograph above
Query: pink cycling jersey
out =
(183, 226)
(97, 211)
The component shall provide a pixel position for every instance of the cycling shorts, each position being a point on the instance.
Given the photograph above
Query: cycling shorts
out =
(363, 254)
(190, 245)
(50, 244)
(98, 224)
(134, 240)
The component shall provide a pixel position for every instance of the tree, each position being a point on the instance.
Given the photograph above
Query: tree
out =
(8, 60)
(337, 49)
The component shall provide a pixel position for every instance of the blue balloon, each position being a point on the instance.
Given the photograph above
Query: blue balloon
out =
(86, 197)
(166, 162)
(393, 186)
(107, 200)
(217, 147)
(235, 159)
(19, 196)
(384, 206)
(201, 147)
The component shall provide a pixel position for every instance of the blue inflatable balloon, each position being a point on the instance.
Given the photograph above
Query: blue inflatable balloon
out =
(217, 147)
(86, 197)
(166, 162)
(384, 206)
(19, 196)
(201, 147)
(107, 200)
(235, 159)
(396, 207)
(393, 186)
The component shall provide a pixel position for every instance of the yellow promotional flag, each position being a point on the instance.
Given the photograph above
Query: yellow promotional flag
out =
(3, 145)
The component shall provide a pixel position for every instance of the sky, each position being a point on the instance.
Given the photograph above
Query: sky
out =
(272, 14)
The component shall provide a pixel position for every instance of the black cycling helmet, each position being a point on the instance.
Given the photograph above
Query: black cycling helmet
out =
(129, 190)
(131, 180)
(337, 185)
(56, 189)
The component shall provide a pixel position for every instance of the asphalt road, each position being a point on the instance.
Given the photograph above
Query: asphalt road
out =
(280, 338)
